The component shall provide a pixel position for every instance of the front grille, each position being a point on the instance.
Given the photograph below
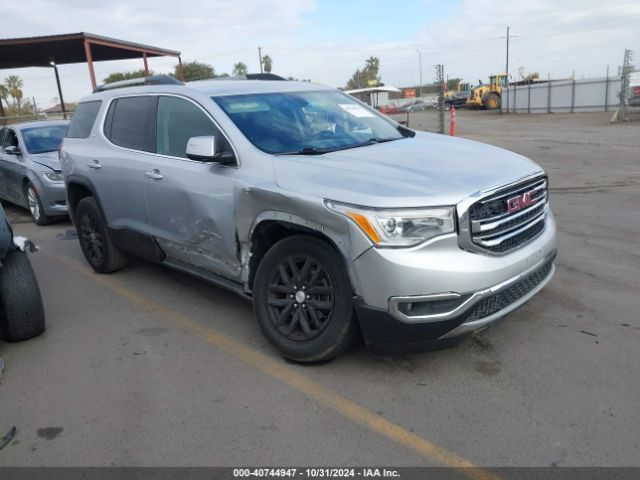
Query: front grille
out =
(496, 229)
(502, 299)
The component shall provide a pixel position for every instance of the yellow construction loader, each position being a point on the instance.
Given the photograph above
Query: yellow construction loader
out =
(488, 96)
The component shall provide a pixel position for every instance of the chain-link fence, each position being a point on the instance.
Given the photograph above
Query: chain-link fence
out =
(629, 108)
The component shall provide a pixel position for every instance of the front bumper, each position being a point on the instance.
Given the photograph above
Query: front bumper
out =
(426, 298)
(53, 196)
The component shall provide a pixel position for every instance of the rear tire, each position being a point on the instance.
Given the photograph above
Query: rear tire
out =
(492, 102)
(22, 309)
(303, 300)
(35, 206)
(97, 247)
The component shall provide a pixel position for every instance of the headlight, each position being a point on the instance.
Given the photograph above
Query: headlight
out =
(399, 228)
(53, 176)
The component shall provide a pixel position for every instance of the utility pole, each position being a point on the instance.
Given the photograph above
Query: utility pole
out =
(260, 57)
(420, 67)
(507, 72)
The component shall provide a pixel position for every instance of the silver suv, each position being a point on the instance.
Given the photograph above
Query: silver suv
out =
(325, 213)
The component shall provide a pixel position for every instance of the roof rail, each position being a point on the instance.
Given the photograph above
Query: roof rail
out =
(264, 76)
(135, 82)
(253, 76)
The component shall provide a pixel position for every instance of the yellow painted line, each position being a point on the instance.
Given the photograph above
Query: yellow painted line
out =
(288, 376)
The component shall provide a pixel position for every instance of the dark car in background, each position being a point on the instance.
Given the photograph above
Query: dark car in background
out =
(30, 170)
(457, 99)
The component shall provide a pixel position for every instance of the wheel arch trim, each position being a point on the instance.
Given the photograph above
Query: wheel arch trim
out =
(339, 242)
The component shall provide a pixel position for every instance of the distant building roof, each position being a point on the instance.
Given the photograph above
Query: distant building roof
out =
(70, 48)
(373, 90)
(69, 107)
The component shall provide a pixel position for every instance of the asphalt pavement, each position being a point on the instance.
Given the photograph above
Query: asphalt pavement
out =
(149, 367)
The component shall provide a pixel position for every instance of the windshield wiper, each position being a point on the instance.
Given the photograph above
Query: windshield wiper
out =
(44, 151)
(308, 151)
(381, 140)
(320, 151)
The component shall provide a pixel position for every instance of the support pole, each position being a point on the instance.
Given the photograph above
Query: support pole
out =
(62, 106)
(420, 67)
(606, 92)
(146, 65)
(549, 94)
(260, 58)
(180, 70)
(92, 74)
(573, 94)
(507, 69)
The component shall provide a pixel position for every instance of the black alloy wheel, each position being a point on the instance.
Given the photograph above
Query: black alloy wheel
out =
(303, 299)
(300, 297)
(91, 238)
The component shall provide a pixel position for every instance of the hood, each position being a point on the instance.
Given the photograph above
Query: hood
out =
(426, 170)
(47, 159)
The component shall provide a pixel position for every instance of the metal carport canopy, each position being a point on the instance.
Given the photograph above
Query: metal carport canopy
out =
(75, 48)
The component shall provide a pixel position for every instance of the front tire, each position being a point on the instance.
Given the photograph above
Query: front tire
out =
(302, 300)
(492, 102)
(97, 247)
(35, 206)
(22, 309)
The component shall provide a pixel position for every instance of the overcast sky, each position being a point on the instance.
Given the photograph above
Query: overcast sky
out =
(326, 40)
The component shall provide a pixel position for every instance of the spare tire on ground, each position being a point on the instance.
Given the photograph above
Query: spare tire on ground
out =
(21, 309)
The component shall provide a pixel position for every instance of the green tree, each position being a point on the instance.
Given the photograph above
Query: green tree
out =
(119, 76)
(452, 83)
(14, 86)
(239, 69)
(4, 95)
(267, 63)
(373, 67)
(195, 71)
(367, 76)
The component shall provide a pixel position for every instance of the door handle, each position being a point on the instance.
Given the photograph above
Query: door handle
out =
(154, 174)
(95, 164)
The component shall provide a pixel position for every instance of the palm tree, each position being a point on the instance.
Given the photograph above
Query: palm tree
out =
(372, 68)
(14, 86)
(373, 64)
(268, 63)
(4, 95)
(239, 69)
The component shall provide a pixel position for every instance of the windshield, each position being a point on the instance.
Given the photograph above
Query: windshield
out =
(43, 139)
(306, 122)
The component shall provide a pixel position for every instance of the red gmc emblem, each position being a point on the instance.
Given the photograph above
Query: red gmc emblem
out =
(521, 201)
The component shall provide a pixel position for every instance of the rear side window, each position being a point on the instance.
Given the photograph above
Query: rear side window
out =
(131, 123)
(83, 119)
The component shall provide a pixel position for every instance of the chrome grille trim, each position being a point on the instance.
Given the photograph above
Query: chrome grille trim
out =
(485, 226)
(497, 221)
(494, 241)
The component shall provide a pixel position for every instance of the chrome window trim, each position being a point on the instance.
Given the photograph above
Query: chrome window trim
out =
(103, 118)
(462, 209)
(394, 302)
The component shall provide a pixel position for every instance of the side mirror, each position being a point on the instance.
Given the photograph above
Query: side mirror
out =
(12, 150)
(204, 149)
